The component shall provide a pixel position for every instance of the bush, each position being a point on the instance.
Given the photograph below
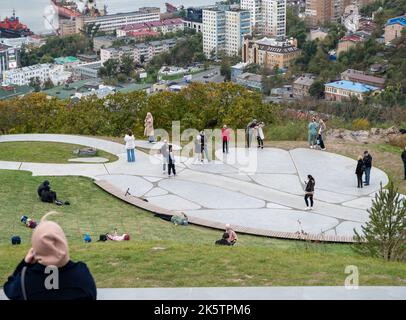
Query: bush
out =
(398, 141)
(360, 124)
(291, 131)
(384, 235)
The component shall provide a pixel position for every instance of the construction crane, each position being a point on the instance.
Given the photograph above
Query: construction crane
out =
(52, 26)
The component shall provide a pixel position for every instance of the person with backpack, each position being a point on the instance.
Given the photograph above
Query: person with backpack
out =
(171, 162)
(225, 135)
(368, 165)
(403, 156)
(130, 146)
(309, 192)
(359, 171)
(49, 257)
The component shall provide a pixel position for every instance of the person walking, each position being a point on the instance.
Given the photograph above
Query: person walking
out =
(322, 128)
(30, 280)
(171, 162)
(164, 151)
(404, 162)
(225, 135)
(309, 192)
(130, 146)
(312, 133)
(149, 127)
(203, 146)
(260, 135)
(368, 165)
(359, 171)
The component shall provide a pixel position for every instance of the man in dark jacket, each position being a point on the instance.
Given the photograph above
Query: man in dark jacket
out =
(404, 162)
(46, 194)
(368, 165)
(47, 273)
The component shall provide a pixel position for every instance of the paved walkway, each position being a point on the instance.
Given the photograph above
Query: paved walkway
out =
(256, 190)
(251, 293)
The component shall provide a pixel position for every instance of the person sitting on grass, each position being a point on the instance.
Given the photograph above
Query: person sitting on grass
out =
(224, 240)
(116, 237)
(47, 273)
(46, 194)
(232, 235)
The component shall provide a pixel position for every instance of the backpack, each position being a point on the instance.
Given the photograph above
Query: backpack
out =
(87, 238)
(15, 240)
(102, 237)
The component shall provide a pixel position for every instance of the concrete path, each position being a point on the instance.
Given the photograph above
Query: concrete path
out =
(250, 189)
(251, 293)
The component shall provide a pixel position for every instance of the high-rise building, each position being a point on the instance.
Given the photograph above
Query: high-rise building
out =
(319, 12)
(9, 58)
(224, 30)
(237, 26)
(267, 16)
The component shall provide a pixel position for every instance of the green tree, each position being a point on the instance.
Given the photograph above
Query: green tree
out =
(384, 235)
(316, 90)
(36, 84)
(127, 65)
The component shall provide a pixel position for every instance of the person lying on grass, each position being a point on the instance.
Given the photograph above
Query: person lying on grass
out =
(116, 237)
(47, 273)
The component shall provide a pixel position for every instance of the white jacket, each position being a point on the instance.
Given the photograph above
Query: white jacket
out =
(129, 142)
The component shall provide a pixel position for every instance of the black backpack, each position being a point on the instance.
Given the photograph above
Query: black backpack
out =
(15, 240)
(102, 237)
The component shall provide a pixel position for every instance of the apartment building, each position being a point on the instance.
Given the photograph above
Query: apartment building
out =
(346, 90)
(9, 58)
(214, 31)
(237, 26)
(319, 12)
(393, 28)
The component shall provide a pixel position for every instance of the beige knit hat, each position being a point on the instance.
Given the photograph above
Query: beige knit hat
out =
(49, 243)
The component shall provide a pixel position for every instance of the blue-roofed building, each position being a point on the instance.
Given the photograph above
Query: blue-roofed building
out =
(345, 90)
(394, 27)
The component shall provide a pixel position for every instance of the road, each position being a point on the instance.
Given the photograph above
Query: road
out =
(199, 77)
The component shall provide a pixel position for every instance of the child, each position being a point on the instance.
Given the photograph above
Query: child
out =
(171, 160)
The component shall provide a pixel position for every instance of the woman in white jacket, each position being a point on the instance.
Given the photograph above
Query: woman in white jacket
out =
(130, 146)
(260, 135)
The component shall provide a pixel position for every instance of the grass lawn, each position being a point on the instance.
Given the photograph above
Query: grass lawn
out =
(163, 255)
(45, 152)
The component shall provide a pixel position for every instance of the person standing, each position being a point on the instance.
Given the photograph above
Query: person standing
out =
(30, 280)
(149, 127)
(368, 165)
(171, 162)
(225, 135)
(204, 146)
(249, 132)
(312, 133)
(260, 135)
(309, 192)
(322, 128)
(164, 151)
(359, 171)
(198, 149)
(404, 162)
(130, 146)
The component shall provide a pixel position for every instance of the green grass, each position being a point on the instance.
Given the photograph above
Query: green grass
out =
(44, 152)
(163, 255)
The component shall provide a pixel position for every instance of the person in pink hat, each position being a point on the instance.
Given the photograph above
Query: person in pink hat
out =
(47, 273)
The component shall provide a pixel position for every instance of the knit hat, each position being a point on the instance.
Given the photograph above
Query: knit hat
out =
(50, 244)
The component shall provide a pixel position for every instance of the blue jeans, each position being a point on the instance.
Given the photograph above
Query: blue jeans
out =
(367, 174)
(130, 155)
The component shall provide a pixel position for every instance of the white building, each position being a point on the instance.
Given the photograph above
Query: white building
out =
(116, 21)
(267, 16)
(224, 30)
(237, 26)
(58, 75)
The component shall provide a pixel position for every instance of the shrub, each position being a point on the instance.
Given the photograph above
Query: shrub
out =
(291, 131)
(360, 124)
(398, 141)
(384, 235)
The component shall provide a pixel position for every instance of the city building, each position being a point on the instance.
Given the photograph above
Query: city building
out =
(320, 12)
(113, 22)
(237, 70)
(345, 90)
(255, 9)
(103, 42)
(158, 27)
(361, 77)
(194, 18)
(67, 62)
(140, 52)
(319, 33)
(59, 75)
(270, 52)
(347, 42)
(250, 81)
(67, 27)
(9, 58)
(301, 85)
(33, 41)
(237, 26)
(23, 76)
(214, 31)
(86, 70)
(393, 28)
(197, 26)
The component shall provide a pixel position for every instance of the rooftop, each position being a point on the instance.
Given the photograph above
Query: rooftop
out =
(64, 60)
(11, 91)
(353, 38)
(363, 77)
(351, 86)
(398, 20)
(306, 80)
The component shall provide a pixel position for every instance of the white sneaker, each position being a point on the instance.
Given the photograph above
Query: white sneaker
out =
(311, 147)
(307, 208)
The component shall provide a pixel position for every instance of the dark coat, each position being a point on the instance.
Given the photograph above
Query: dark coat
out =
(75, 283)
(360, 167)
(43, 187)
(368, 161)
(310, 185)
(403, 156)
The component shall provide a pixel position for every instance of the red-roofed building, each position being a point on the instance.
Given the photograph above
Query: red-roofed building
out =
(163, 26)
(348, 42)
(142, 34)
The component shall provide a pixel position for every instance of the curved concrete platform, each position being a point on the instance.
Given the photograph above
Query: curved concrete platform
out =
(256, 191)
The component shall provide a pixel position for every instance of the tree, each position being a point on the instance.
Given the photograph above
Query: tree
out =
(127, 64)
(384, 235)
(36, 84)
(111, 67)
(317, 89)
(225, 68)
